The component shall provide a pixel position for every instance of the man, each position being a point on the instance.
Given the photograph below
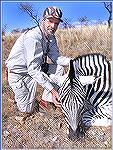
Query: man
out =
(27, 60)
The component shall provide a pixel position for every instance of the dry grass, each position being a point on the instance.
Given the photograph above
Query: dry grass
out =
(78, 41)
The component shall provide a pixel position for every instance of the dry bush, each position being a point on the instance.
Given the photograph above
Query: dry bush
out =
(72, 42)
(7, 44)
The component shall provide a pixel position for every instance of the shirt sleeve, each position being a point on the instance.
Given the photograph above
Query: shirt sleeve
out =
(33, 52)
(63, 61)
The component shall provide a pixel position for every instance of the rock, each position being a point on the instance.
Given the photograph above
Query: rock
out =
(67, 131)
(59, 125)
(20, 119)
(106, 143)
(45, 140)
(55, 139)
(41, 114)
(56, 142)
(6, 133)
(92, 132)
(100, 137)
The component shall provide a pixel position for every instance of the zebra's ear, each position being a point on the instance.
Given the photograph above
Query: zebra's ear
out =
(71, 70)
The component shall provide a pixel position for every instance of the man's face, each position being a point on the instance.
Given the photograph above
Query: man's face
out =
(50, 25)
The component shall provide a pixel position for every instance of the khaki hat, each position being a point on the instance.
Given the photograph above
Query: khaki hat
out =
(53, 12)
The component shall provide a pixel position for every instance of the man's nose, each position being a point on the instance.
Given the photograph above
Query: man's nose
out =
(52, 25)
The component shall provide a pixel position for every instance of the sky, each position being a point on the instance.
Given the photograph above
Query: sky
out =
(14, 18)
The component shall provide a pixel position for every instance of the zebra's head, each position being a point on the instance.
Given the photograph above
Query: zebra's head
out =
(72, 95)
(72, 99)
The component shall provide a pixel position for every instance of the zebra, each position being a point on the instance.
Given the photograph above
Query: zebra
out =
(83, 104)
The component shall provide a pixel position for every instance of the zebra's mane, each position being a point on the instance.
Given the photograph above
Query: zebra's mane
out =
(71, 74)
(90, 54)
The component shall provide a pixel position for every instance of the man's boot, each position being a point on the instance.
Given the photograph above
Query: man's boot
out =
(43, 106)
(22, 116)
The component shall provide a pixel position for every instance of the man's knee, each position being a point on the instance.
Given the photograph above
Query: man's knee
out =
(26, 106)
(25, 94)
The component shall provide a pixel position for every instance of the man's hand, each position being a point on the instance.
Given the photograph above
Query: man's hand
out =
(55, 98)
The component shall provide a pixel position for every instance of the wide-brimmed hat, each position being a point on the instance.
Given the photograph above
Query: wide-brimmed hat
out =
(53, 12)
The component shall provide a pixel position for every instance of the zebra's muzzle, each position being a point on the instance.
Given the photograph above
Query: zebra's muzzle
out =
(79, 133)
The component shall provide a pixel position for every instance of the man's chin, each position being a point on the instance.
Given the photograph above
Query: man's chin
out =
(51, 33)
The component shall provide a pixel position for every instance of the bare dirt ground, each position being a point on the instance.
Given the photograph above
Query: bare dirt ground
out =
(45, 130)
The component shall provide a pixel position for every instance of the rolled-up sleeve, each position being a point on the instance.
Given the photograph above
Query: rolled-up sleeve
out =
(33, 52)
(63, 61)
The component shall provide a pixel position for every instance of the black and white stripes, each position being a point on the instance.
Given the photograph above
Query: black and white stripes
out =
(84, 102)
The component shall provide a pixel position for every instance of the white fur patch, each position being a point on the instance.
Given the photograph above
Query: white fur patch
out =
(102, 122)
